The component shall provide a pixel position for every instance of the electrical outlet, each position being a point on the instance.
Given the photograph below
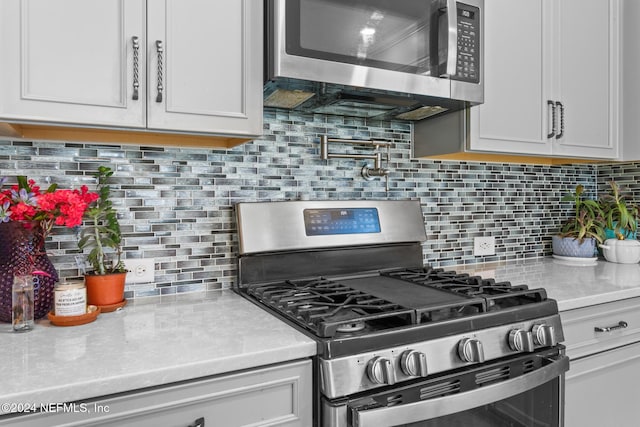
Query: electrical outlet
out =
(484, 245)
(140, 270)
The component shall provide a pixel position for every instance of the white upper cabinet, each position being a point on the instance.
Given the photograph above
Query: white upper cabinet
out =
(71, 61)
(209, 72)
(163, 65)
(551, 79)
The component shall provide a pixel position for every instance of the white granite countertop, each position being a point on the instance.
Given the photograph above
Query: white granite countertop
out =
(571, 285)
(151, 341)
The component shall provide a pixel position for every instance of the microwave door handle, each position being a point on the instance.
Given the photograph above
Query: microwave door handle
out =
(452, 46)
(441, 406)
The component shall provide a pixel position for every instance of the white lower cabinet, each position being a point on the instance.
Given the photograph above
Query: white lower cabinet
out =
(603, 344)
(601, 389)
(272, 396)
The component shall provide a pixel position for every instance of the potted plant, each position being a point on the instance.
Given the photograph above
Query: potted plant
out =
(621, 216)
(621, 219)
(101, 236)
(580, 233)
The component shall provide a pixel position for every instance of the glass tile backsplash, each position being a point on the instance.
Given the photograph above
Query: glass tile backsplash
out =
(176, 204)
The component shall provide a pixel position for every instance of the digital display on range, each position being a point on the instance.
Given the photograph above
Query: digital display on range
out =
(324, 222)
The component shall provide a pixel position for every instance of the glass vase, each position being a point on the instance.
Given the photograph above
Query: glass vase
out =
(22, 253)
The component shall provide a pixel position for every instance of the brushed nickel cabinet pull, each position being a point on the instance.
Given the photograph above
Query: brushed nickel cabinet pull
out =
(621, 325)
(160, 51)
(135, 41)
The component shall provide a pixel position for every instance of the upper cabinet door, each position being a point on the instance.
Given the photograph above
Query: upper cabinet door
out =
(588, 77)
(205, 66)
(72, 61)
(513, 118)
(551, 79)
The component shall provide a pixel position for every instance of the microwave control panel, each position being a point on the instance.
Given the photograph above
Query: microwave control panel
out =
(468, 62)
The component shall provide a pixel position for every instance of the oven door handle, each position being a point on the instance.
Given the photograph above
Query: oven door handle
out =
(441, 406)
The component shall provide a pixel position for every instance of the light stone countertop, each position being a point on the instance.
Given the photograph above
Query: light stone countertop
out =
(161, 340)
(571, 285)
(151, 341)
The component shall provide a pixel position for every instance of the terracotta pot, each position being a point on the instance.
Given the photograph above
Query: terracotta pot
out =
(22, 252)
(106, 289)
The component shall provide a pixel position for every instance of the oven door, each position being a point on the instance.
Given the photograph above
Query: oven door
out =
(524, 391)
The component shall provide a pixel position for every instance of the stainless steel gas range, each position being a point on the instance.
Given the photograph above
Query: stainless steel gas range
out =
(400, 343)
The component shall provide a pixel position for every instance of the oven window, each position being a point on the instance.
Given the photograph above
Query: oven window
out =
(538, 407)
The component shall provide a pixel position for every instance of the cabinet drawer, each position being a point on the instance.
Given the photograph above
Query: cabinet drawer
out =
(277, 395)
(581, 336)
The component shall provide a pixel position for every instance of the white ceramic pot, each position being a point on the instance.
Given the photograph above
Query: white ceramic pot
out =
(621, 251)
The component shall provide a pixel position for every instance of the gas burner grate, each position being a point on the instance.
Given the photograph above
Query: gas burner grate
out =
(329, 308)
(497, 295)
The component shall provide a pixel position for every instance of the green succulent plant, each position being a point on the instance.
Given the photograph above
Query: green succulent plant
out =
(101, 234)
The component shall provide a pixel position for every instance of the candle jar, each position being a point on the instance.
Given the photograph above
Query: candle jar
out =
(70, 299)
(22, 303)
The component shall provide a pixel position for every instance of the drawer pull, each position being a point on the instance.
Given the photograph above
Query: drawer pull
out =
(621, 325)
(198, 423)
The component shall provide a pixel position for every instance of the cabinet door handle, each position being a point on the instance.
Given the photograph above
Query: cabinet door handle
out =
(621, 325)
(552, 106)
(135, 41)
(198, 423)
(561, 109)
(160, 51)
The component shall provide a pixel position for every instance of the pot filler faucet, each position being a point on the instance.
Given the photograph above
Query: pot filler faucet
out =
(367, 172)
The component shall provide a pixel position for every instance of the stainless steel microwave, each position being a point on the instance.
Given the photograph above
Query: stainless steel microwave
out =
(427, 51)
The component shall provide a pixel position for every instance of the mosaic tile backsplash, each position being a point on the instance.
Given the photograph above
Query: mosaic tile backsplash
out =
(177, 204)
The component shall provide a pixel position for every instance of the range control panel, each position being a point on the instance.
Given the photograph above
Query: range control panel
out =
(323, 222)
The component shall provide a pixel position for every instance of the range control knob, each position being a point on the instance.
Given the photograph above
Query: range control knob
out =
(521, 340)
(381, 371)
(544, 335)
(470, 350)
(413, 363)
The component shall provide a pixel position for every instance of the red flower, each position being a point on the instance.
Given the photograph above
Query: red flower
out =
(26, 201)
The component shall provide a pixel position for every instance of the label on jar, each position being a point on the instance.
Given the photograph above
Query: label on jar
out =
(70, 300)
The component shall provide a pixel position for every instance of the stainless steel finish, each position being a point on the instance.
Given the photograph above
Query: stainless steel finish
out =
(621, 325)
(521, 340)
(347, 375)
(560, 134)
(551, 106)
(452, 47)
(380, 371)
(439, 407)
(280, 64)
(544, 334)
(471, 350)
(135, 42)
(413, 363)
(279, 226)
(444, 134)
(160, 52)
(367, 172)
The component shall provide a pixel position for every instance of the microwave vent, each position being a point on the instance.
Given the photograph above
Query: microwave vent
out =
(421, 113)
(287, 98)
